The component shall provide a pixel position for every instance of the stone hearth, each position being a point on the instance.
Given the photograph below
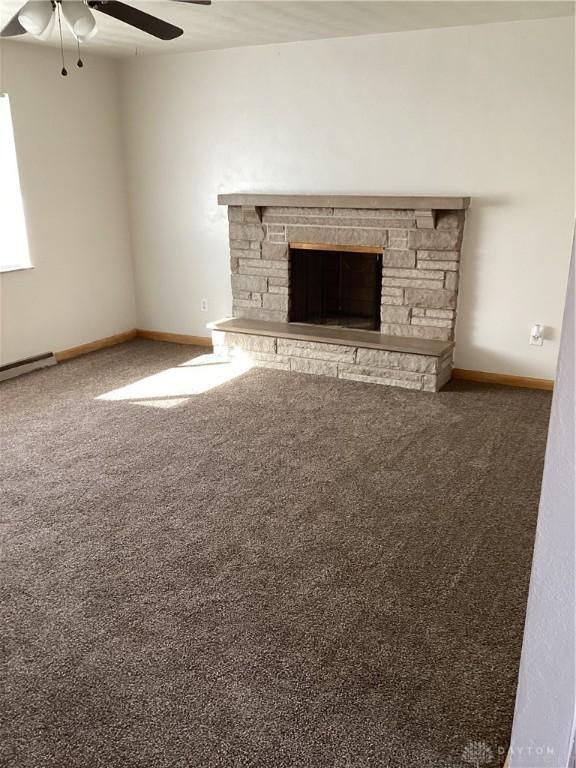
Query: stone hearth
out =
(418, 241)
(354, 355)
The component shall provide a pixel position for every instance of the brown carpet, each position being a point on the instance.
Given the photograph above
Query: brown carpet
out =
(286, 570)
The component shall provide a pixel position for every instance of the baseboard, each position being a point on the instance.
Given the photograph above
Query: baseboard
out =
(175, 338)
(120, 338)
(92, 346)
(502, 378)
(27, 365)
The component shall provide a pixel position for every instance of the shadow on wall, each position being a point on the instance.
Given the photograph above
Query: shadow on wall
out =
(492, 362)
(473, 272)
(470, 270)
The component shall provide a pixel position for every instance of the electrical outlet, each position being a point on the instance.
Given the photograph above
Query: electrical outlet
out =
(537, 335)
(203, 305)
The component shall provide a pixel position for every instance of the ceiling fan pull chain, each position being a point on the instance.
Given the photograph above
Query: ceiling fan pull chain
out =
(63, 71)
(79, 63)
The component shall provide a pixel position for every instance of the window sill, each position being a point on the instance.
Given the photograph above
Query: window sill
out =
(15, 269)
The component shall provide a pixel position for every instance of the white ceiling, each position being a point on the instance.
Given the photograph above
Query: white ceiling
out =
(232, 23)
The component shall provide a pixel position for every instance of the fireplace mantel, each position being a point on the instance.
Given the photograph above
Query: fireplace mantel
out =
(384, 202)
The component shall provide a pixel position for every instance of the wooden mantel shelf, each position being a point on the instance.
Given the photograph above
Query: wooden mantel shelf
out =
(346, 201)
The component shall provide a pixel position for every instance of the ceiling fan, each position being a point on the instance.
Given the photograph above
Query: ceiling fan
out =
(37, 16)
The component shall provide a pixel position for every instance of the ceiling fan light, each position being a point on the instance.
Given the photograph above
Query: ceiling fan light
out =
(49, 29)
(80, 19)
(35, 16)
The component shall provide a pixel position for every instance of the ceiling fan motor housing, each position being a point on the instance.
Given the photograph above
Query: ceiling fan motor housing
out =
(36, 15)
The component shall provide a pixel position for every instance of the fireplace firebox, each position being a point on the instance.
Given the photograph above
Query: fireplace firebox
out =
(335, 287)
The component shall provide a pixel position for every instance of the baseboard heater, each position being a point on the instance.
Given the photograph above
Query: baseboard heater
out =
(10, 370)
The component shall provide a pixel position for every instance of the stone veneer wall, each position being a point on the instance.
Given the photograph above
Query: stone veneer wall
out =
(420, 272)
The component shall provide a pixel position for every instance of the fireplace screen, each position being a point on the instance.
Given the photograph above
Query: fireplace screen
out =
(339, 288)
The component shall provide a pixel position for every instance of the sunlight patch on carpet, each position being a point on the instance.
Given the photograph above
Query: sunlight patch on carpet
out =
(174, 386)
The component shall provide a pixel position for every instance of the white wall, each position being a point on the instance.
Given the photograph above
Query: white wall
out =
(543, 732)
(485, 111)
(68, 142)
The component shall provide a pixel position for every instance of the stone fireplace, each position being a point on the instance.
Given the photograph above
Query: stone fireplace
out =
(357, 287)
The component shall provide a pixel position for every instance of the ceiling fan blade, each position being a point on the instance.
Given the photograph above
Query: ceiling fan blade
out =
(196, 2)
(13, 28)
(135, 18)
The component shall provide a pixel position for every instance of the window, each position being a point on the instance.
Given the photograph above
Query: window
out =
(14, 252)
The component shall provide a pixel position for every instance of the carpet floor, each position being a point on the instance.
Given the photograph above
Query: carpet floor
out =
(279, 570)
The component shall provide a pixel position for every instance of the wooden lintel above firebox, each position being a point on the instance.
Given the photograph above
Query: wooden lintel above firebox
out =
(416, 203)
